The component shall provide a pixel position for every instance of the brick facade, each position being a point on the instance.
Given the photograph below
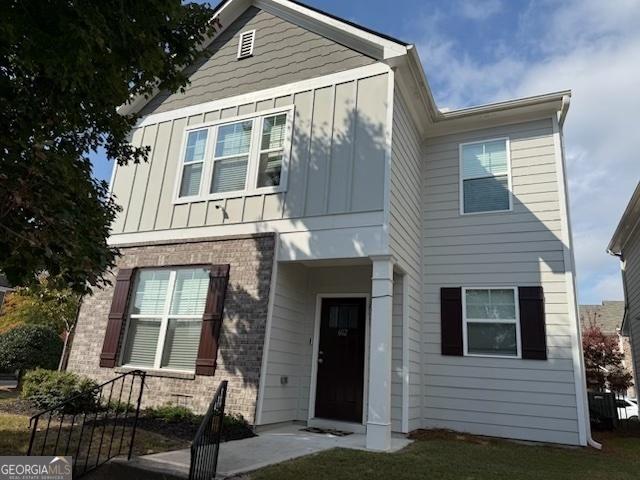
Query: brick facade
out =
(243, 330)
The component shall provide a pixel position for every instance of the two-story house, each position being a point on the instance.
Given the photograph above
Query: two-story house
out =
(312, 228)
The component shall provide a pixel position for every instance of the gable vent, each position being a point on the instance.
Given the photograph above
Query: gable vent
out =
(245, 46)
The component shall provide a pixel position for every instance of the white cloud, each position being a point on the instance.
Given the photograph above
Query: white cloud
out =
(607, 287)
(593, 48)
(480, 10)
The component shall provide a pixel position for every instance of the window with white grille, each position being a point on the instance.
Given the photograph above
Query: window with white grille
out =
(232, 156)
(245, 45)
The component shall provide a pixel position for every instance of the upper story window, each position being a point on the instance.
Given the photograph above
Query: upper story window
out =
(236, 157)
(485, 182)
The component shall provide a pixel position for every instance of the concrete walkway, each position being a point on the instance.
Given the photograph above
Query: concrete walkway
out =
(271, 446)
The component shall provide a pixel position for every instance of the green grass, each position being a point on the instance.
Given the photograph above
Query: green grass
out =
(14, 438)
(462, 457)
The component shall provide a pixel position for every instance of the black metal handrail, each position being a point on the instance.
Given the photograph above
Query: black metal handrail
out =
(206, 443)
(99, 414)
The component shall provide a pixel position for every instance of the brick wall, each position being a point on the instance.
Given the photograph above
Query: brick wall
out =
(628, 364)
(241, 339)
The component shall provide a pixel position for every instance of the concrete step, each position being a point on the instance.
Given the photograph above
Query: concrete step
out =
(136, 469)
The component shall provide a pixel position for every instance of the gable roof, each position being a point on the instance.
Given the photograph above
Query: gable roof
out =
(608, 316)
(398, 54)
(628, 223)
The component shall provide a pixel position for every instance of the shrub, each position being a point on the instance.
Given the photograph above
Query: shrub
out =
(172, 413)
(30, 346)
(235, 427)
(47, 388)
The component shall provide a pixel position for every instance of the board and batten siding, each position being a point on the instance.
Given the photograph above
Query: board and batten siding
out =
(631, 253)
(290, 349)
(283, 53)
(337, 163)
(527, 399)
(405, 231)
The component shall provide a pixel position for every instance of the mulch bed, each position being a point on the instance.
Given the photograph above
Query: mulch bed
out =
(187, 430)
(18, 407)
(183, 430)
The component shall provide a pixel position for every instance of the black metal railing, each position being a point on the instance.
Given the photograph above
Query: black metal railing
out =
(612, 410)
(91, 427)
(206, 443)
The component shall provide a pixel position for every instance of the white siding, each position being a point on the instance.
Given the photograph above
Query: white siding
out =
(405, 231)
(288, 354)
(396, 353)
(525, 399)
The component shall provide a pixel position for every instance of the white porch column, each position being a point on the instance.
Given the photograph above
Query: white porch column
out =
(379, 399)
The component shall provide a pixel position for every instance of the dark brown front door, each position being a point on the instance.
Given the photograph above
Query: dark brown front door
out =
(340, 376)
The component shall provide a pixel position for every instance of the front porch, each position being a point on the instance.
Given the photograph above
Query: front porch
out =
(333, 353)
(274, 444)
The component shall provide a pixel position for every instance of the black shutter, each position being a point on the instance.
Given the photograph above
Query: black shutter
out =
(532, 323)
(116, 318)
(212, 320)
(451, 321)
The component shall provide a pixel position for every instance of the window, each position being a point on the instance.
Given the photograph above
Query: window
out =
(231, 157)
(248, 154)
(245, 44)
(271, 150)
(484, 174)
(165, 318)
(193, 163)
(491, 324)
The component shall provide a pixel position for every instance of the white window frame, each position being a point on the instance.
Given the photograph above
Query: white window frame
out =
(253, 154)
(462, 178)
(253, 42)
(465, 321)
(164, 318)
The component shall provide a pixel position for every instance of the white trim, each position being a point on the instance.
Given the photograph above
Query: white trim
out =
(461, 177)
(262, 382)
(582, 404)
(353, 221)
(388, 145)
(314, 355)
(515, 321)
(253, 157)
(266, 94)
(252, 34)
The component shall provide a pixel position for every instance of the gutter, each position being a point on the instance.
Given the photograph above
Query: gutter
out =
(564, 108)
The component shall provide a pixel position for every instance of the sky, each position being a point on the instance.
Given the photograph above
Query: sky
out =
(481, 51)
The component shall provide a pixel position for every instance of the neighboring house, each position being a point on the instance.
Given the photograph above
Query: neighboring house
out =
(608, 316)
(312, 228)
(625, 244)
(5, 287)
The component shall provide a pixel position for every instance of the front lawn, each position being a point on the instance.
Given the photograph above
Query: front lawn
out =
(443, 455)
(14, 438)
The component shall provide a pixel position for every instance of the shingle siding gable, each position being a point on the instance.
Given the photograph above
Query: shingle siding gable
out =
(283, 53)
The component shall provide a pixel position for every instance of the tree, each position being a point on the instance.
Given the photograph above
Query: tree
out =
(47, 302)
(29, 346)
(603, 361)
(65, 67)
